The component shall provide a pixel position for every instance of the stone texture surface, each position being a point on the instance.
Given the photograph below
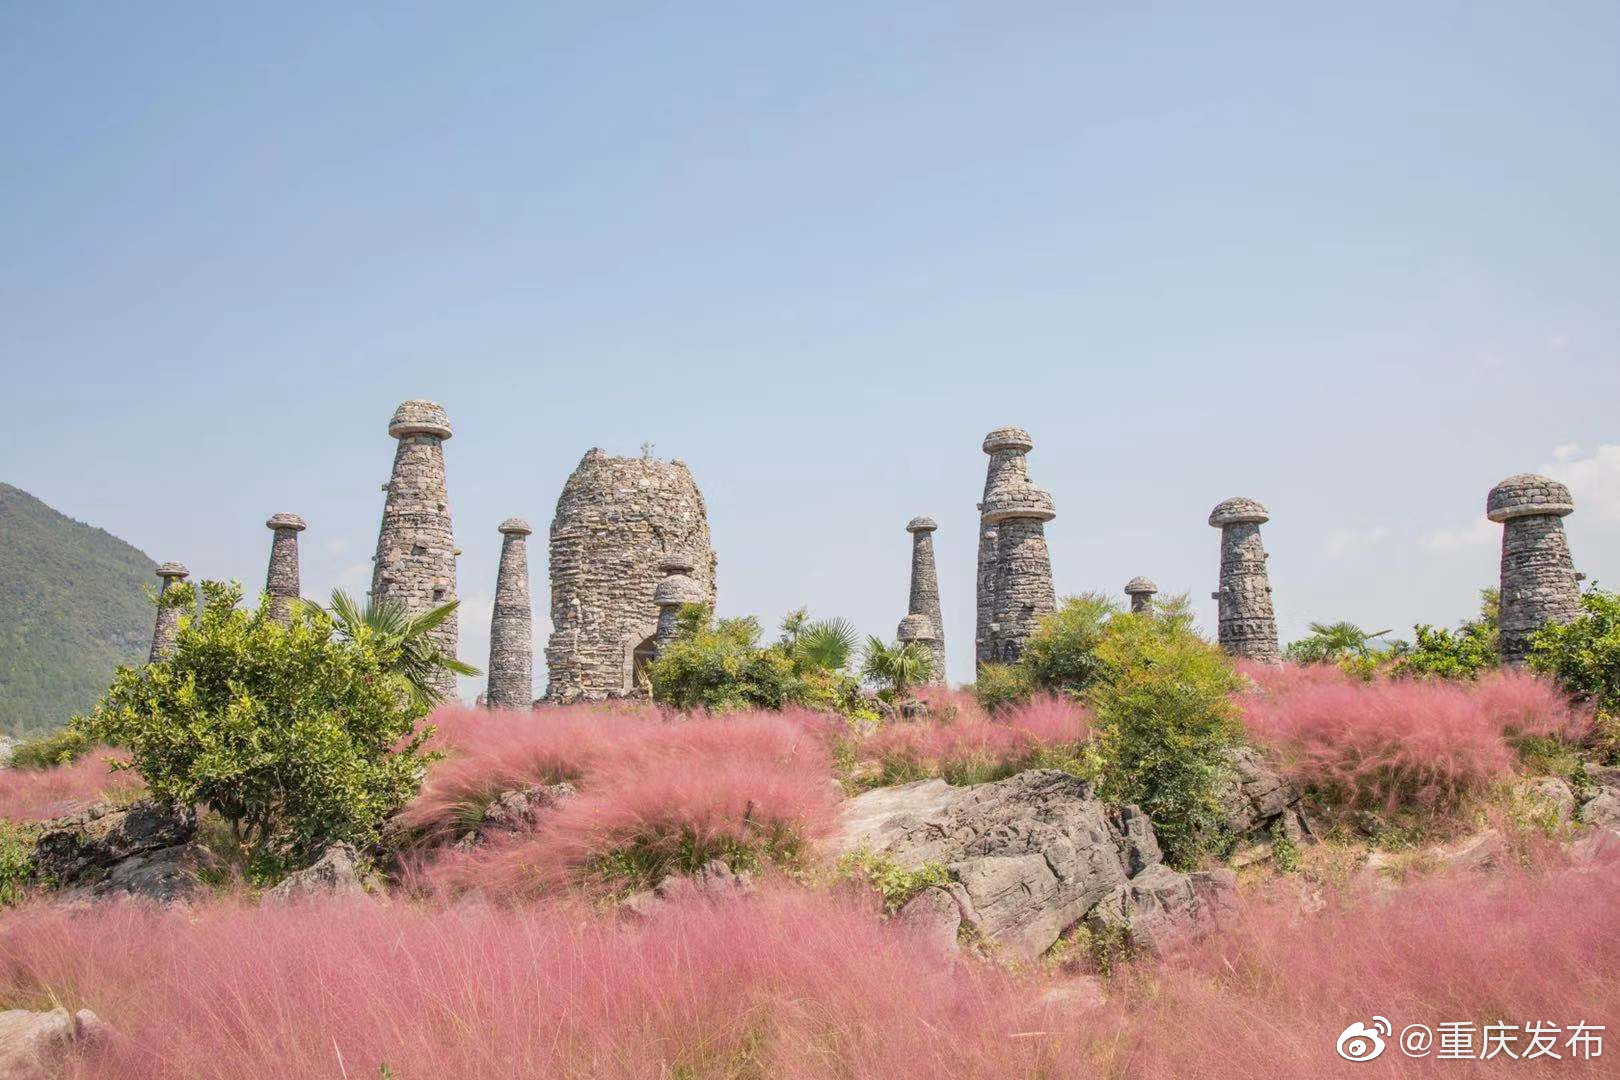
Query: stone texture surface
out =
(511, 631)
(170, 875)
(676, 588)
(415, 563)
(1538, 583)
(616, 521)
(924, 599)
(167, 623)
(281, 582)
(516, 811)
(713, 881)
(1015, 568)
(1141, 592)
(83, 848)
(1031, 856)
(1248, 625)
(1258, 801)
(340, 871)
(33, 1044)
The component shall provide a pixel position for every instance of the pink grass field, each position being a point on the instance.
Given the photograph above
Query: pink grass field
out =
(798, 984)
(959, 737)
(34, 794)
(1403, 742)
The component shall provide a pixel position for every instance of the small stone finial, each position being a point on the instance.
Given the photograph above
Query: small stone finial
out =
(1141, 592)
(286, 521)
(170, 570)
(167, 623)
(1538, 583)
(1247, 621)
(674, 591)
(281, 581)
(676, 563)
(420, 417)
(514, 527)
(1008, 438)
(922, 524)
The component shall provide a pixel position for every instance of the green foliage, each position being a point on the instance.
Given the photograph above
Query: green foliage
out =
(1061, 655)
(1461, 654)
(75, 609)
(1283, 850)
(296, 735)
(1584, 655)
(387, 627)
(825, 644)
(648, 861)
(893, 882)
(1330, 643)
(62, 747)
(1164, 721)
(896, 668)
(1001, 685)
(16, 863)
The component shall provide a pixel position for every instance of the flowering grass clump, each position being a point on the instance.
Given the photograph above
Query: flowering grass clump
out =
(36, 794)
(964, 746)
(656, 796)
(1401, 744)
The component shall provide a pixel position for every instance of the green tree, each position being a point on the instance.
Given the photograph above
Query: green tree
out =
(1329, 643)
(896, 668)
(388, 627)
(1061, 655)
(1584, 655)
(297, 735)
(824, 644)
(1456, 654)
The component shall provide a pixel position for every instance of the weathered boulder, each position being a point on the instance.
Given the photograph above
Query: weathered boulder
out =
(32, 1043)
(1602, 804)
(1553, 793)
(171, 875)
(516, 811)
(83, 848)
(1030, 856)
(340, 871)
(1258, 801)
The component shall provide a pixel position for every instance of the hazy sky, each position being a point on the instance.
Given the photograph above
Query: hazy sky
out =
(1358, 261)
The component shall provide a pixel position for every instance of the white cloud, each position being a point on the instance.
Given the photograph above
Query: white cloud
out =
(1343, 541)
(1593, 480)
(1477, 534)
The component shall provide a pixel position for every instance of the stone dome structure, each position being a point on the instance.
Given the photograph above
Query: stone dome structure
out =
(420, 417)
(1238, 511)
(619, 521)
(1538, 582)
(1528, 495)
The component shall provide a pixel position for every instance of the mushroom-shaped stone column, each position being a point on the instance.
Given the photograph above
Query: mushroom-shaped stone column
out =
(675, 590)
(415, 564)
(921, 629)
(1017, 511)
(1539, 584)
(167, 623)
(511, 640)
(925, 589)
(1248, 625)
(281, 581)
(1141, 591)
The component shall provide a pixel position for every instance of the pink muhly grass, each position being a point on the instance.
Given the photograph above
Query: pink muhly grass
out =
(1418, 744)
(35, 794)
(972, 747)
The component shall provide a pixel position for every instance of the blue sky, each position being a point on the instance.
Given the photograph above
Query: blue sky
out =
(1357, 261)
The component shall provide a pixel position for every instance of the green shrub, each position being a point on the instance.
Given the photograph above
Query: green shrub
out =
(1000, 685)
(1456, 654)
(294, 735)
(892, 881)
(62, 747)
(1061, 655)
(16, 863)
(1584, 655)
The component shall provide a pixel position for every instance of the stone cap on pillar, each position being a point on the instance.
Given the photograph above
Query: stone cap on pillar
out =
(1140, 586)
(286, 521)
(1019, 500)
(921, 524)
(1238, 511)
(419, 417)
(1008, 438)
(172, 570)
(678, 589)
(1527, 495)
(515, 527)
(916, 627)
(676, 563)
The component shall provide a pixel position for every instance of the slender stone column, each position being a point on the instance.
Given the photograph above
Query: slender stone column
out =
(1141, 591)
(1539, 583)
(511, 639)
(675, 590)
(281, 582)
(1020, 567)
(1248, 626)
(925, 589)
(416, 549)
(985, 594)
(167, 623)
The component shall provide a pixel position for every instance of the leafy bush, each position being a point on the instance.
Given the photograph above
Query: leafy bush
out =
(1164, 723)
(1002, 685)
(16, 864)
(295, 736)
(1464, 653)
(1061, 655)
(891, 881)
(1334, 643)
(896, 668)
(59, 748)
(1584, 655)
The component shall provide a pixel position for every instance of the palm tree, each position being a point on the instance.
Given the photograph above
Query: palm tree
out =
(898, 667)
(388, 626)
(1329, 642)
(826, 644)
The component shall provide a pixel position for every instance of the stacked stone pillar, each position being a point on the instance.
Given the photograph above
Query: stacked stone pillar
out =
(1141, 592)
(1248, 625)
(1015, 568)
(675, 589)
(924, 631)
(415, 564)
(925, 590)
(1539, 584)
(167, 623)
(511, 637)
(281, 581)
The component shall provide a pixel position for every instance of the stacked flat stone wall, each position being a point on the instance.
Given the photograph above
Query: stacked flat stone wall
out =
(167, 622)
(1015, 567)
(281, 582)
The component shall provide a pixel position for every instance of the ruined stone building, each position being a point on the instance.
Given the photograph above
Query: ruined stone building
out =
(511, 634)
(1248, 625)
(1539, 584)
(281, 579)
(415, 563)
(924, 599)
(1015, 568)
(618, 519)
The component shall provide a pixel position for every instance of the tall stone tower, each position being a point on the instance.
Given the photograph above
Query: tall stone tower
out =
(1015, 568)
(676, 588)
(1539, 583)
(617, 520)
(281, 580)
(1141, 591)
(1248, 626)
(925, 589)
(415, 563)
(167, 623)
(511, 638)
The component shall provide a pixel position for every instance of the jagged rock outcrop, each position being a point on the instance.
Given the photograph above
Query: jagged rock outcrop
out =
(340, 871)
(1258, 801)
(32, 1044)
(516, 811)
(143, 850)
(1032, 856)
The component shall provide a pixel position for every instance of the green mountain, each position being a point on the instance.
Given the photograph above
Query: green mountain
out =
(72, 608)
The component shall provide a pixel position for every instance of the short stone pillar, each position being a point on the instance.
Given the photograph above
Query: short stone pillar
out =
(1248, 625)
(281, 582)
(1539, 583)
(415, 564)
(1141, 592)
(923, 630)
(167, 623)
(511, 639)
(675, 589)
(925, 590)
(1019, 570)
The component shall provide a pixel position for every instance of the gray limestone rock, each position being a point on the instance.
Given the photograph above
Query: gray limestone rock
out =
(340, 871)
(1538, 583)
(82, 849)
(33, 1044)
